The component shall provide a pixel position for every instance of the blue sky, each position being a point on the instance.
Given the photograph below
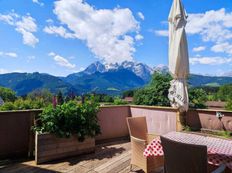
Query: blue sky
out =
(62, 37)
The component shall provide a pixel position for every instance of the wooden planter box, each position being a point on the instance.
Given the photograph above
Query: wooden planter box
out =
(48, 147)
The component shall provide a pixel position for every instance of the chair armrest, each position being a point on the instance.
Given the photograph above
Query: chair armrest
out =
(151, 136)
(137, 147)
(137, 140)
(221, 169)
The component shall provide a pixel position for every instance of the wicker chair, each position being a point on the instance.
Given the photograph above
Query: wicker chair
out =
(185, 158)
(139, 140)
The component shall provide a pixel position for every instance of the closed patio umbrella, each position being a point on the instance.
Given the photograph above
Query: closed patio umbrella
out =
(178, 57)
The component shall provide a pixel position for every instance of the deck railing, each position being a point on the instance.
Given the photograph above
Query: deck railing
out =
(16, 137)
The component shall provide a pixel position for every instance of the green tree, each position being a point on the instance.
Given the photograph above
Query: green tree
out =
(119, 101)
(197, 98)
(225, 93)
(23, 104)
(156, 92)
(98, 97)
(60, 98)
(108, 98)
(71, 96)
(229, 105)
(7, 94)
(128, 93)
(43, 94)
(211, 92)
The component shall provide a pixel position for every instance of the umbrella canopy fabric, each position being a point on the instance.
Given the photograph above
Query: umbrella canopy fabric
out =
(178, 57)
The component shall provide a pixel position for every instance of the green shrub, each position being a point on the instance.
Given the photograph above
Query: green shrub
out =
(7, 94)
(40, 94)
(21, 104)
(8, 106)
(225, 92)
(119, 101)
(108, 98)
(128, 93)
(229, 105)
(226, 134)
(156, 93)
(197, 98)
(70, 118)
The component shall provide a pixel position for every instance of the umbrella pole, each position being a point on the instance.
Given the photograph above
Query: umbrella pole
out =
(180, 121)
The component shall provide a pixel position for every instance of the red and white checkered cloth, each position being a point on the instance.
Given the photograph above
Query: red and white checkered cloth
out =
(219, 150)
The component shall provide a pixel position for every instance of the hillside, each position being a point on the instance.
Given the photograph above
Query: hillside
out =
(24, 83)
(97, 77)
(111, 82)
(199, 80)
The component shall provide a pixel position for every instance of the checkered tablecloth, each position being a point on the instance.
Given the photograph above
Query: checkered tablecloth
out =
(219, 150)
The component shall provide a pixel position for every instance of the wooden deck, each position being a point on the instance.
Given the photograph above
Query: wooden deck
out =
(113, 157)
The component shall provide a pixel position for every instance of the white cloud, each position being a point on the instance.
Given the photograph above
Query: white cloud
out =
(223, 47)
(163, 33)
(49, 21)
(61, 61)
(11, 54)
(9, 18)
(79, 70)
(199, 49)
(38, 2)
(8, 54)
(210, 60)
(3, 71)
(138, 37)
(51, 54)
(60, 31)
(106, 32)
(213, 25)
(141, 16)
(25, 25)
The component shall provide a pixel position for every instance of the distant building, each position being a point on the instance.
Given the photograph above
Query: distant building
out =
(1, 101)
(217, 105)
(128, 99)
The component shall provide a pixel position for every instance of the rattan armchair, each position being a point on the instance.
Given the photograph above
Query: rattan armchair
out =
(139, 139)
(185, 158)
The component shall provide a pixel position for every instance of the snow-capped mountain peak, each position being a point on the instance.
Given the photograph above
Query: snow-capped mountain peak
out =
(111, 66)
(95, 67)
(161, 68)
(140, 69)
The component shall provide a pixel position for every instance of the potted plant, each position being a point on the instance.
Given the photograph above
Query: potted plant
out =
(66, 130)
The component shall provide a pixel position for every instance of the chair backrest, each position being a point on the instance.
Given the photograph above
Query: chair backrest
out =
(137, 127)
(184, 158)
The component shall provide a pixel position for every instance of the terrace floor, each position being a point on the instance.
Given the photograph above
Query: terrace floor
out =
(111, 157)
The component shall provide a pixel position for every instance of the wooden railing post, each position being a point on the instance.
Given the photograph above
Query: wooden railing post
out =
(180, 121)
(31, 142)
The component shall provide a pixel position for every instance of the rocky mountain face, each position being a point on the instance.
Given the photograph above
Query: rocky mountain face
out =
(95, 67)
(141, 70)
(98, 77)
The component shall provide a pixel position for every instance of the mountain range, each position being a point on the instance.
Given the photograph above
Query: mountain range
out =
(100, 78)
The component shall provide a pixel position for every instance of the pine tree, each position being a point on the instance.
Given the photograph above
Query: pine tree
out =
(60, 99)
